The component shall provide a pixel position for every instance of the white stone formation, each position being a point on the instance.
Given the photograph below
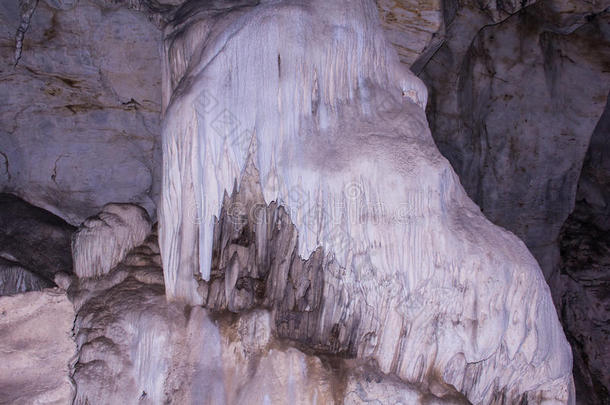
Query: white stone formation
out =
(103, 240)
(315, 96)
(135, 347)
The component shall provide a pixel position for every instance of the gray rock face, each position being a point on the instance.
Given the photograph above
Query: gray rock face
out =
(582, 287)
(523, 95)
(34, 246)
(79, 121)
(37, 348)
(582, 294)
(514, 101)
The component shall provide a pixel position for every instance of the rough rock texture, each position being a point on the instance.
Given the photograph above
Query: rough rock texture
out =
(410, 25)
(583, 300)
(34, 246)
(582, 288)
(514, 100)
(134, 347)
(511, 99)
(37, 348)
(79, 120)
(122, 330)
(27, 8)
(514, 68)
(336, 130)
(89, 71)
(103, 240)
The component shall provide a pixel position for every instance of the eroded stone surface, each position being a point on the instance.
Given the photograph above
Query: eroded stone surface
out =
(410, 25)
(80, 112)
(581, 287)
(509, 130)
(570, 15)
(37, 348)
(513, 106)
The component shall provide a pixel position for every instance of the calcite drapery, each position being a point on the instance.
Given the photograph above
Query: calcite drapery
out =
(410, 273)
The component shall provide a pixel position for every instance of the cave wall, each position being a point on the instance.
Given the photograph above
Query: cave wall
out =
(80, 112)
(582, 285)
(516, 98)
(75, 107)
(513, 106)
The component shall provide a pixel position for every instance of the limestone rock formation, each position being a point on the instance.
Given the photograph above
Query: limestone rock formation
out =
(134, 347)
(376, 251)
(514, 101)
(582, 286)
(123, 328)
(500, 131)
(80, 111)
(37, 348)
(410, 25)
(103, 240)
(316, 245)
